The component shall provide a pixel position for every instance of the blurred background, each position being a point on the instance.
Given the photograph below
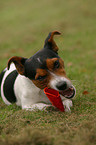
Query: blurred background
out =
(24, 25)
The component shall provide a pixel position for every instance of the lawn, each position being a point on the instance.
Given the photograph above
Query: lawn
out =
(24, 26)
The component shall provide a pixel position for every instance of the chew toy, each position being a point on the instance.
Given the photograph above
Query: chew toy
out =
(54, 98)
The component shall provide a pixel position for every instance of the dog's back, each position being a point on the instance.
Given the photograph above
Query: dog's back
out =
(1, 77)
(7, 80)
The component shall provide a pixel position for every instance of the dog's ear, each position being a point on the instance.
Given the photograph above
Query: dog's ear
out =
(19, 63)
(50, 43)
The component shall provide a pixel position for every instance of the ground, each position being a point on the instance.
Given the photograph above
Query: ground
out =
(24, 26)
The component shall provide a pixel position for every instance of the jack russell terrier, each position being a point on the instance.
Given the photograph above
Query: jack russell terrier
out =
(23, 81)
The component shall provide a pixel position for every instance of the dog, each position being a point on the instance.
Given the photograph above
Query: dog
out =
(24, 79)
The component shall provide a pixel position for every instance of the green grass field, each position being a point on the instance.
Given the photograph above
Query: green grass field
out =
(24, 26)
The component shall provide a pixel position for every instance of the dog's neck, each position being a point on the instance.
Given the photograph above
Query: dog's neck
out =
(28, 83)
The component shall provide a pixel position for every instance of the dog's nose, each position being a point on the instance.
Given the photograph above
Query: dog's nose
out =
(61, 85)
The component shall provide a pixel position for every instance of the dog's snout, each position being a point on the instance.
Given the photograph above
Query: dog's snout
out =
(61, 85)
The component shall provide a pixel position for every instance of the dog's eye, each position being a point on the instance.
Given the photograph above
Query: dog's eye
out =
(41, 78)
(56, 64)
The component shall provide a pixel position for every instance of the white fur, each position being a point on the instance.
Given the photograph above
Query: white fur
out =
(67, 105)
(29, 96)
(39, 60)
(56, 79)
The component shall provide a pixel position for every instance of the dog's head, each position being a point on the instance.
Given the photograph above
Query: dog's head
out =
(46, 68)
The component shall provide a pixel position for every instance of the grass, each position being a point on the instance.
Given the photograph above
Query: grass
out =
(24, 26)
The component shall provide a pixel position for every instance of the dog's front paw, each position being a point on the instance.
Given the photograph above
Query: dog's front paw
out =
(35, 107)
(67, 105)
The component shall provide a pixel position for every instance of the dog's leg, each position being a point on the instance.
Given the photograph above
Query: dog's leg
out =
(38, 106)
(28, 103)
(67, 104)
(31, 103)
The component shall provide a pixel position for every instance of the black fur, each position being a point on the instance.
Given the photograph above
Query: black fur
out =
(9, 86)
(1, 77)
(32, 63)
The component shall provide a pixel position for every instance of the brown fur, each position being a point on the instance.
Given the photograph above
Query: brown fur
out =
(54, 46)
(18, 63)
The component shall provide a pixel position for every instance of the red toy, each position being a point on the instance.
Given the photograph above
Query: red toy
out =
(54, 98)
